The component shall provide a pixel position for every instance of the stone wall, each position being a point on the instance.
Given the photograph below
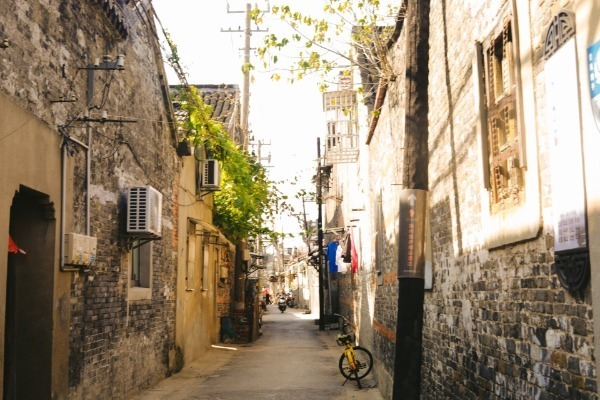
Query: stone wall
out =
(117, 345)
(497, 322)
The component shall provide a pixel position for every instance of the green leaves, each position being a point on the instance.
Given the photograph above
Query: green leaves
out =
(246, 201)
(347, 32)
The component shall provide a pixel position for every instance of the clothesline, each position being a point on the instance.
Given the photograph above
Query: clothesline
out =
(340, 256)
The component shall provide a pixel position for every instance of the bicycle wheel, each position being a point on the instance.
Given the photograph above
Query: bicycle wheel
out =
(364, 359)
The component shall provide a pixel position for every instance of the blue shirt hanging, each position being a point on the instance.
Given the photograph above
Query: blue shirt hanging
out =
(331, 251)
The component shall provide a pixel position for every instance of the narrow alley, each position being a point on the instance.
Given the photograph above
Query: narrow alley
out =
(291, 360)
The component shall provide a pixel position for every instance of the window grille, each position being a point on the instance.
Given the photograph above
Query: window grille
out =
(503, 129)
(560, 30)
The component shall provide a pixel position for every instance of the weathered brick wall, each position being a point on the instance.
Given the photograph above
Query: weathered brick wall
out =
(497, 323)
(371, 303)
(225, 288)
(116, 347)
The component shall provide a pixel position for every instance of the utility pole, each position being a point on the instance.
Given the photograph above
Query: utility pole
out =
(246, 83)
(305, 225)
(240, 282)
(320, 239)
(259, 156)
(409, 329)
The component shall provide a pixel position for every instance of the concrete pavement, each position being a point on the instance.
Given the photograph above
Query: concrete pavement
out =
(291, 360)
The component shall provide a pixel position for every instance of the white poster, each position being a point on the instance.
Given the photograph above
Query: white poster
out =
(564, 129)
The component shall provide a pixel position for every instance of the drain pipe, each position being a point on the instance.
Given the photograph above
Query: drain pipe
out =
(88, 177)
(63, 196)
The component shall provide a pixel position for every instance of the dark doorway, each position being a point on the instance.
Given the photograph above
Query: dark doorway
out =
(29, 298)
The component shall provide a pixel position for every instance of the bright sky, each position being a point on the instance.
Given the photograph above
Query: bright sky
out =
(289, 117)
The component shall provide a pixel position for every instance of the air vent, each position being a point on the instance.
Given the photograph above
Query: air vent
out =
(144, 211)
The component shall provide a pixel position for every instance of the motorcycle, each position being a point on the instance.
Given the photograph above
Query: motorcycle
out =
(281, 304)
(290, 301)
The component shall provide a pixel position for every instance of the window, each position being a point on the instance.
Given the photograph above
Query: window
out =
(504, 133)
(508, 149)
(194, 245)
(198, 267)
(141, 264)
(140, 271)
(205, 268)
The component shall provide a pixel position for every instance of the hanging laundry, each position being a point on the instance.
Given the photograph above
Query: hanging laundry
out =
(338, 257)
(13, 248)
(347, 253)
(331, 256)
(354, 261)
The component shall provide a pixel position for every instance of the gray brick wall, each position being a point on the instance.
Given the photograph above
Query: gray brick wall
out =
(497, 323)
(116, 347)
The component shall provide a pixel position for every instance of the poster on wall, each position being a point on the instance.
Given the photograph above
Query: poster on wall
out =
(564, 131)
(594, 74)
(411, 234)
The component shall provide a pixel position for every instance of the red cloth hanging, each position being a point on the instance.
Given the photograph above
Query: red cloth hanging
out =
(354, 261)
(13, 248)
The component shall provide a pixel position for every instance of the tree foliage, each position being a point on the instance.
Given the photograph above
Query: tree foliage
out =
(247, 200)
(346, 34)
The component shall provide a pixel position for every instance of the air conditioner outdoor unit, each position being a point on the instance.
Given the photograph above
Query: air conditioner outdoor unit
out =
(144, 211)
(211, 177)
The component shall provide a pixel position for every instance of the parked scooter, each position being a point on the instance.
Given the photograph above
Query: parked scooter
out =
(281, 304)
(290, 301)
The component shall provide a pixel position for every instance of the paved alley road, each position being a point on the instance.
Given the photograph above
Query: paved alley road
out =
(292, 360)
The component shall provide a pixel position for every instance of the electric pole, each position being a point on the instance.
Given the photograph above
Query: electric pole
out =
(246, 70)
(320, 239)
(240, 282)
(259, 156)
(409, 329)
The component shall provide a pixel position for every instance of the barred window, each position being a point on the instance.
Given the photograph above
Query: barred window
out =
(506, 184)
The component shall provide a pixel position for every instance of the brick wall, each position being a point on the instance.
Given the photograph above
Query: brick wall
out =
(225, 288)
(497, 323)
(116, 346)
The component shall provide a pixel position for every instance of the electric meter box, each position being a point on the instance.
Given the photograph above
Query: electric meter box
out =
(79, 249)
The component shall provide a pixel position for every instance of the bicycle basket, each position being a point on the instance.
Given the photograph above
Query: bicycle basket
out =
(342, 339)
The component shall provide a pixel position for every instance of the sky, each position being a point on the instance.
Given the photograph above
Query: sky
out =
(286, 118)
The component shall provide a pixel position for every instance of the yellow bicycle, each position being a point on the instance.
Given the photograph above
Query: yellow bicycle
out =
(356, 362)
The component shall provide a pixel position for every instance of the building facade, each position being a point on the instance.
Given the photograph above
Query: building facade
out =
(205, 279)
(85, 118)
(510, 250)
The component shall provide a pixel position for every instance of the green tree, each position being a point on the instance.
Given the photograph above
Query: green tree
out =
(248, 200)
